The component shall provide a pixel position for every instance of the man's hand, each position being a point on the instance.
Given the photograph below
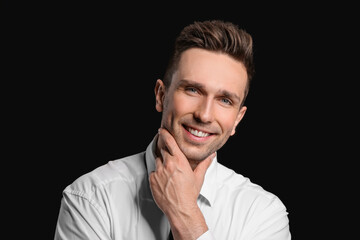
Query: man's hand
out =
(176, 187)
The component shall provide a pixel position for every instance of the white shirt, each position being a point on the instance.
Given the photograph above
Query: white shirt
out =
(115, 202)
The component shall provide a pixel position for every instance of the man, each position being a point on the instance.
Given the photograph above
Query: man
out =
(177, 184)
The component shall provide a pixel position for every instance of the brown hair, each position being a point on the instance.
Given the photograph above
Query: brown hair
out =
(217, 36)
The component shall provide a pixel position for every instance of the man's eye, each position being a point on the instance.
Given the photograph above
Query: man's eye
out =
(191, 89)
(226, 101)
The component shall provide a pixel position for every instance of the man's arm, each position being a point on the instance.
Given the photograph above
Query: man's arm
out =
(269, 220)
(79, 220)
(176, 187)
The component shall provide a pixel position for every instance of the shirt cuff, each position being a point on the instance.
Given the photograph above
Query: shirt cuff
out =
(206, 236)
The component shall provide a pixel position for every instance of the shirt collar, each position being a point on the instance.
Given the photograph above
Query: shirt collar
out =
(208, 188)
(150, 155)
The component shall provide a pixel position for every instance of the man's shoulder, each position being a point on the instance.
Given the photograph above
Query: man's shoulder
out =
(239, 186)
(124, 170)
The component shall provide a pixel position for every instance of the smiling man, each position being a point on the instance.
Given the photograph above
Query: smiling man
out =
(177, 185)
(202, 106)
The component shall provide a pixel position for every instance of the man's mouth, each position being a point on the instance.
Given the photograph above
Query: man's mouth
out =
(196, 132)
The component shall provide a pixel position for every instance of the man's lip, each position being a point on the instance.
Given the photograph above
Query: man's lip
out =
(196, 128)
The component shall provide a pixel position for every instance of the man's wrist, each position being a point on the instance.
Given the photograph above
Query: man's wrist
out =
(188, 226)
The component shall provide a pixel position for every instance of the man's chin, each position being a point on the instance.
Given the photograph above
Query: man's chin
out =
(195, 156)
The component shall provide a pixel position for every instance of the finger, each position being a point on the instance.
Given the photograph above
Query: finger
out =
(155, 185)
(169, 164)
(152, 181)
(164, 156)
(158, 167)
(160, 141)
(163, 139)
(158, 163)
(170, 144)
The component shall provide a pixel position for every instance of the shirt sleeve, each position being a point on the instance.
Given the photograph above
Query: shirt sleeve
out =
(270, 222)
(80, 219)
(206, 236)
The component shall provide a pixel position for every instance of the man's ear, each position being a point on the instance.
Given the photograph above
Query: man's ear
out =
(238, 118)
(159, 95)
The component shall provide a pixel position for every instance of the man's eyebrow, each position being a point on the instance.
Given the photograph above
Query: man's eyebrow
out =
(230, 95)
(192, 83)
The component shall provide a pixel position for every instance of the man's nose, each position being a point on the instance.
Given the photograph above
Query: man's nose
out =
(205, 111)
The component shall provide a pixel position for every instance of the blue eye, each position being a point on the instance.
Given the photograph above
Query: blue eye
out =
(226, 101)
(191, 89)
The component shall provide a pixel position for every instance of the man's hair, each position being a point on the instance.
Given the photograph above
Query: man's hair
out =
(216, 36)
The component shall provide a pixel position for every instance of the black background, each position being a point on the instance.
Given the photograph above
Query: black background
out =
(81, 79)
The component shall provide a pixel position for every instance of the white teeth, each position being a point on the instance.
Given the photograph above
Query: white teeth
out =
(198, 133)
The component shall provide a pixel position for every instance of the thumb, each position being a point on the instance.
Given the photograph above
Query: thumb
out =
(201, 168)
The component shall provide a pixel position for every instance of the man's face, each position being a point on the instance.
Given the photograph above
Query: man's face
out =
(201, 108)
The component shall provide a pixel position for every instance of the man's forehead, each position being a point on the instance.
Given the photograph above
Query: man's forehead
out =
(207, 63)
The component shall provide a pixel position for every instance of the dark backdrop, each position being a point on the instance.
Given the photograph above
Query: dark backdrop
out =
(83, 76)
